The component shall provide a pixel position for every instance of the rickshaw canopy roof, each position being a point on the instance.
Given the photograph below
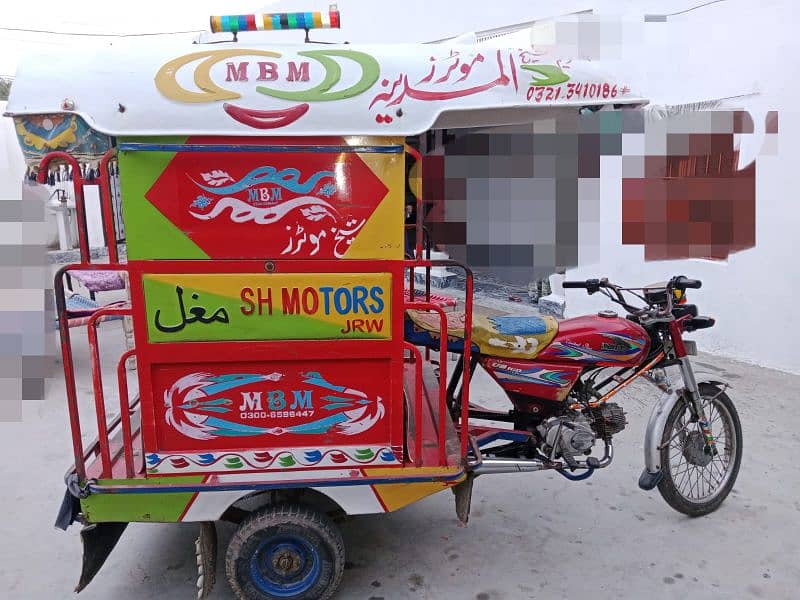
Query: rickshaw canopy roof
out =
(170, 88)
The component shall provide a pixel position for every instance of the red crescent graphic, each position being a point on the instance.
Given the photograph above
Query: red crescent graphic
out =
(266, 119)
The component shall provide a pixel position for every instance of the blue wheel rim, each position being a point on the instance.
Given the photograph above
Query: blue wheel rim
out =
(285, 566)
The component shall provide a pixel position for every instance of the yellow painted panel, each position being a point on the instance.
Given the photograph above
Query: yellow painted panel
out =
(397, 495)
(252, 306)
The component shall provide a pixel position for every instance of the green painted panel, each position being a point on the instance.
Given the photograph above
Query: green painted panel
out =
(288, 327)
(149, 233)
(164, 507)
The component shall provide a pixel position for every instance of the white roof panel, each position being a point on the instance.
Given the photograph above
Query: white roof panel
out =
(159, 88)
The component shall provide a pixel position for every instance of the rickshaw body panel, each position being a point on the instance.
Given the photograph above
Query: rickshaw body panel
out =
(288, 364)
(141, 500)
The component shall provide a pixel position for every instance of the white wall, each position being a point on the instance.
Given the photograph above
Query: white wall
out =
(753, 295)
(12, 166)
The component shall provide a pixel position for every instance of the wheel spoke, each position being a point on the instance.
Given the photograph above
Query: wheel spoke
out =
(721, 471)
(684, 475)
(711, 481)
(690, 483)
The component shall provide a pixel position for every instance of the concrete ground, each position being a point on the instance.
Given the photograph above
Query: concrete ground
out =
(530, 536)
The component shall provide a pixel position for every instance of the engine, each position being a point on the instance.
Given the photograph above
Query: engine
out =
(609, 419)
(575, 433)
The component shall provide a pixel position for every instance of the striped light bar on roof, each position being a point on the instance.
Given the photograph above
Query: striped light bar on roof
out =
(275, 21)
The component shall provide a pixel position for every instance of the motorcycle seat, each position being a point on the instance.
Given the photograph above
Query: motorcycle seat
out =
(501, 336)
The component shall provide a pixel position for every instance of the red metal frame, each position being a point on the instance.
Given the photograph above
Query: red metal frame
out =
(77, 182)
(465, 377)
(66, 353)
(125, 411)
(676, 333)
(97, 382)
(107, 207)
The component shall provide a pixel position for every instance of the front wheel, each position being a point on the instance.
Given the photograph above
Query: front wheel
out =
(287, 552)
(695, 480)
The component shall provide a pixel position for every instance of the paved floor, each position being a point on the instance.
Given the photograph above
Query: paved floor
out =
(530, 536)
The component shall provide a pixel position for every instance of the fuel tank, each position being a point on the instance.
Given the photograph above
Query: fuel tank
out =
(593, 340)
(604, 339)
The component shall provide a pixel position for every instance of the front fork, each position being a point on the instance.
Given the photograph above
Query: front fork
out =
(690, 384)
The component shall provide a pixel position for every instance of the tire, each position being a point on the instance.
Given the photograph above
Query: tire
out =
(687, 449)
(286, 552)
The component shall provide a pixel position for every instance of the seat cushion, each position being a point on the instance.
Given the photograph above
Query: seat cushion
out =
(501, 336)
(99, 281)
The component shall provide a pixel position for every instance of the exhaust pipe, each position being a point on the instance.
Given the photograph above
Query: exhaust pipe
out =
(509, 465)
(528, 465)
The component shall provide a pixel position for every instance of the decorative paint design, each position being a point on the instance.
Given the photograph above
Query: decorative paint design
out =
(272, 460)
(546, 75)
(166, 79)
(314, 221)
(40, 134)
(290, 204)
(527, 325)
(619, 348)
(296, 70)
(197, 404)
(219, 182)
(260, 306)
(149, 505)
(534, 378)
(370, 71)
(271, 405)
(450, 77)
(504, 372)
(275, 21)
(265, 119)
(530, 334)
(313, 76)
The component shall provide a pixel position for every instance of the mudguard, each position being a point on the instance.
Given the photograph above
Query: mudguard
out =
(98, 540)
(651, 476)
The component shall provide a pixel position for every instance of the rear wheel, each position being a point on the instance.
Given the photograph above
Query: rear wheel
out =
(695, 480)
(285, 552)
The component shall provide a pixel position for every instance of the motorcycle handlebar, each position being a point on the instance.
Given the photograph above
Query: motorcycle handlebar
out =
(684, 283)
(616, 293)
(590, 285)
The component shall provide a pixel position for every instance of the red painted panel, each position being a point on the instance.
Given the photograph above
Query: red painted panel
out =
(216, 357)
(250, 205)
(205, 407)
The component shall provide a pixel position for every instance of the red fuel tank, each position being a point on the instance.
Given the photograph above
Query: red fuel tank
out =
(603, 339)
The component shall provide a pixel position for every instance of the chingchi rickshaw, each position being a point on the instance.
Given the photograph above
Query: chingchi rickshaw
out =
(292, 361)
